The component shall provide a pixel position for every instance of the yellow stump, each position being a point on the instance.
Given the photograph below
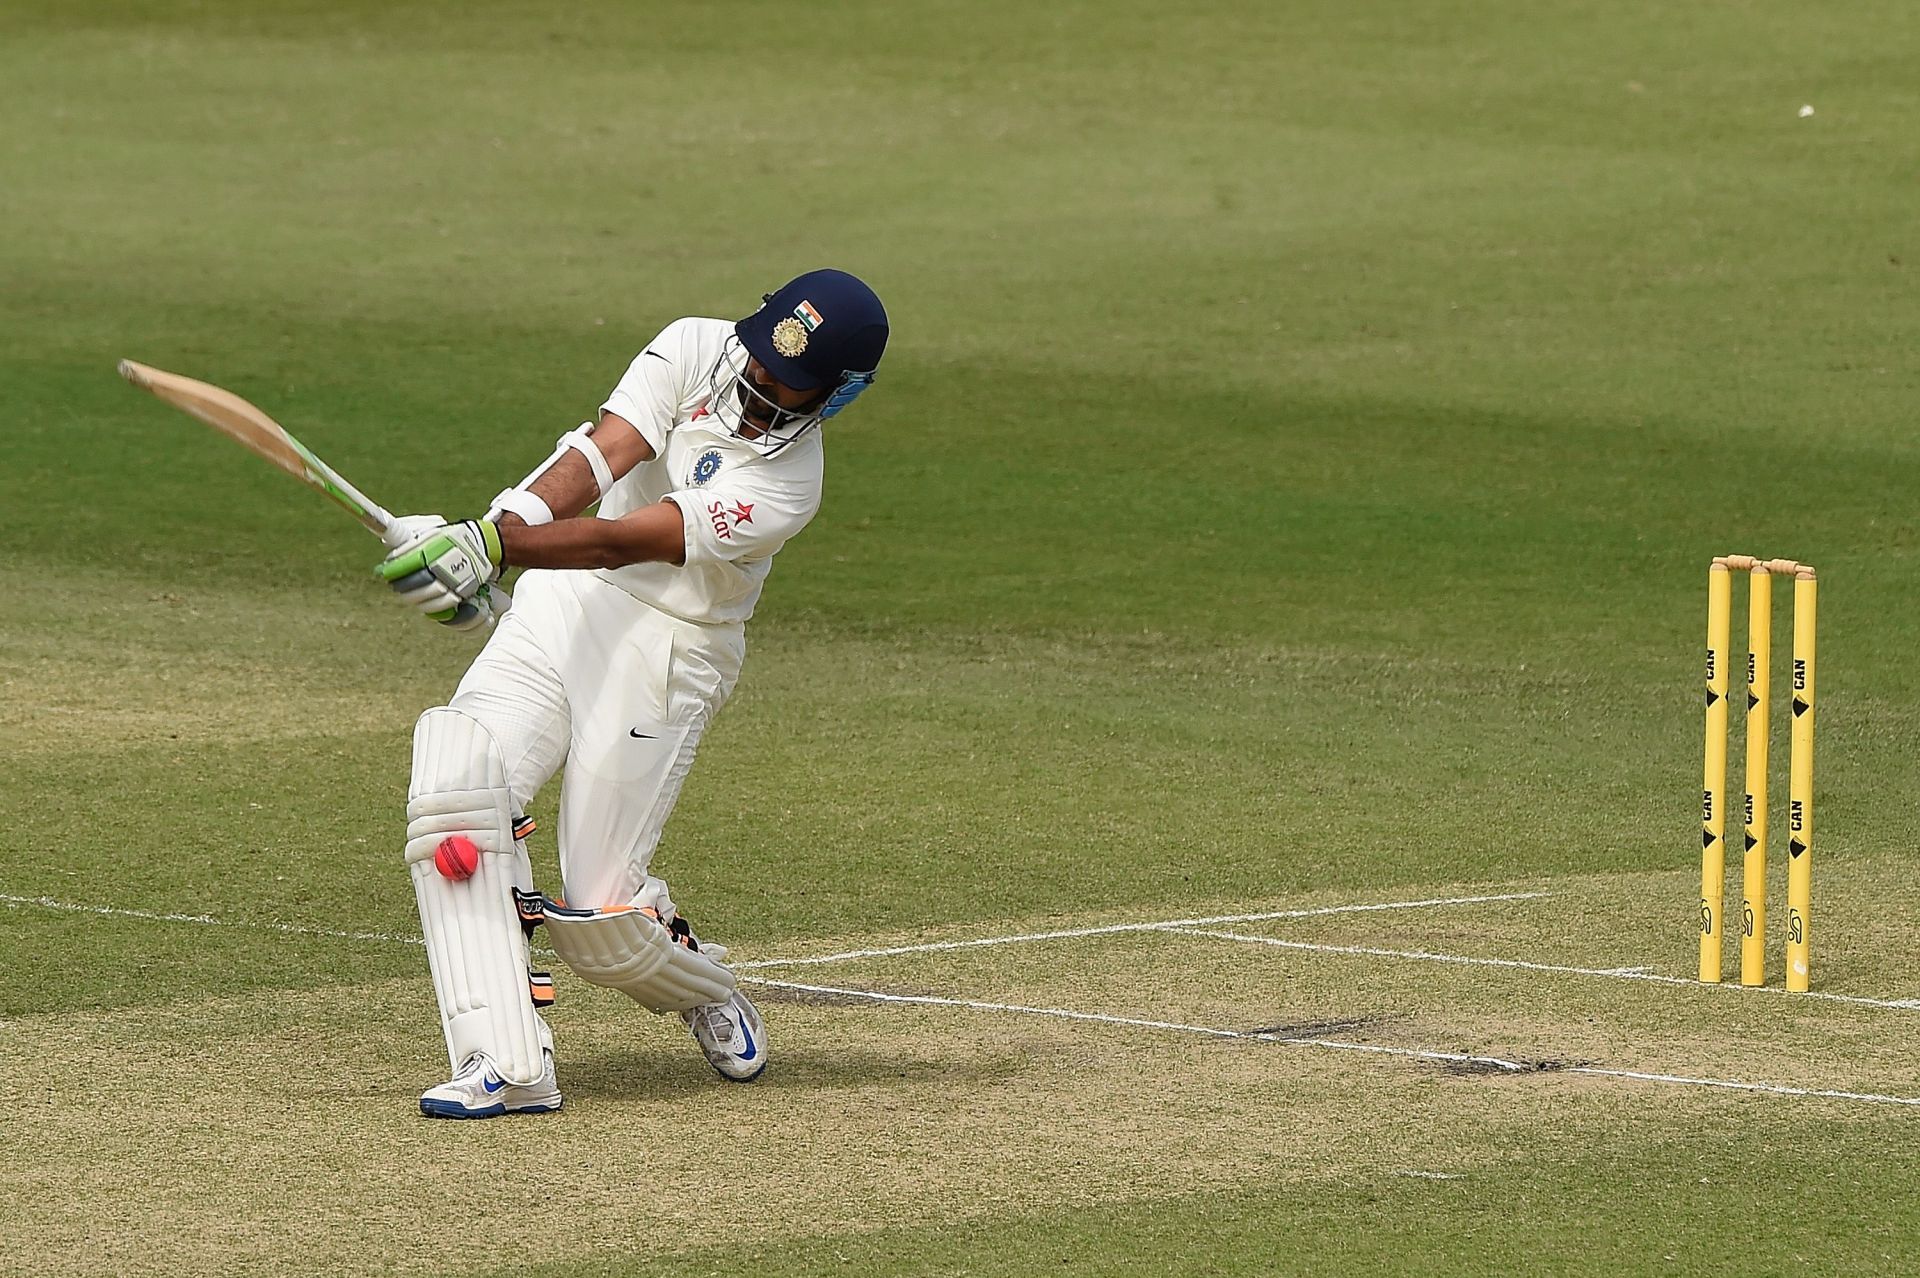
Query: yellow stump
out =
(1800, 784)
(1713, 788)
(1753, 885)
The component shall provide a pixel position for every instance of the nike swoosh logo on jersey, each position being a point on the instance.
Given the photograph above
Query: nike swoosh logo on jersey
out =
(644, 736)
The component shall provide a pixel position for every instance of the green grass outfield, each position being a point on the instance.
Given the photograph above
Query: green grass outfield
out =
(1290, 488)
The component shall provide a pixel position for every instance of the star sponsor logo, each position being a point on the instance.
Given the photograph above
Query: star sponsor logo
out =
(725, 518)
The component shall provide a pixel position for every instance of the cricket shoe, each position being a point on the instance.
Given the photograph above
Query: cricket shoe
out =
(732, 1035)
(477, 1091)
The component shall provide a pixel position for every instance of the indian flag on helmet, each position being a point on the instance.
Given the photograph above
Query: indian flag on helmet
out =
(807, 315)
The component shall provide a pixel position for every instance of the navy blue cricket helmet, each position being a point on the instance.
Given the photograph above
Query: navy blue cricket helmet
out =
(823, 331)
(817, 330)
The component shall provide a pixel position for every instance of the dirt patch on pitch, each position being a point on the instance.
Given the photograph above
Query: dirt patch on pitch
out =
(1341, 1025)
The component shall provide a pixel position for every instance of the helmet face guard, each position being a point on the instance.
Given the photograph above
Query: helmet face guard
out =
(736, 402)
(731, 394)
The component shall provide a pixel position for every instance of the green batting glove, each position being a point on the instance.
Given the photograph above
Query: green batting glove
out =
(445, 571)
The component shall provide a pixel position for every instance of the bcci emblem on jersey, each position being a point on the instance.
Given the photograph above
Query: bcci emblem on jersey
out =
(706, 468)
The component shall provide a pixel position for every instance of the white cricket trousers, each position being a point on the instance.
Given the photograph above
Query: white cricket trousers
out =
(582, 673)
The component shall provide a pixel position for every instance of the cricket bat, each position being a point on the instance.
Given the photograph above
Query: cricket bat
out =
(258, 433)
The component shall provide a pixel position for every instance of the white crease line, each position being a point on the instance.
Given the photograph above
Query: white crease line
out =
(1616, 973)
(1189, 927)
(1169, 924)
(206, 920)
(1061, 1013)
(290, 929)
(1410, 1053)
(1771, 1089)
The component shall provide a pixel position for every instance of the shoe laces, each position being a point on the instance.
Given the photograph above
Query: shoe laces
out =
(718, 1020)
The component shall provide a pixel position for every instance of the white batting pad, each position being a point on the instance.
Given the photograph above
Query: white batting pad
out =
(475, 944)
(628, 950)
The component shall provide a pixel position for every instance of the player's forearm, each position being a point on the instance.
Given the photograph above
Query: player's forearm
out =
(568, 487)
(653, 534)
(567, 483)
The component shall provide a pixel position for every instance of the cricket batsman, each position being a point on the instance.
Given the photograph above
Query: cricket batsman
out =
(624, 639)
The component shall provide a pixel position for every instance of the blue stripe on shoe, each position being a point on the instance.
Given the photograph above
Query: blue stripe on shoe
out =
(434, 1108)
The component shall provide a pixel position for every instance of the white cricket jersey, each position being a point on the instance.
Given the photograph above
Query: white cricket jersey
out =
(739, 507)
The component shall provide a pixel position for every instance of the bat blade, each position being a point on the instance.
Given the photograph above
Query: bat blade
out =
(258, 433)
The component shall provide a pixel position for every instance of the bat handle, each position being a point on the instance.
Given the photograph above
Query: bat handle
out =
(380, 522)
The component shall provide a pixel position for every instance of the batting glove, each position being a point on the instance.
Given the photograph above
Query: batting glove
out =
(444, 571)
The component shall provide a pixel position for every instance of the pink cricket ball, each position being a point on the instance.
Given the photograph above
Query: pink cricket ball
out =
(456, 857)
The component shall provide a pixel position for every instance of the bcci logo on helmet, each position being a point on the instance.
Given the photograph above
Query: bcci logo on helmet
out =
(790, 334)
(790, 337)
